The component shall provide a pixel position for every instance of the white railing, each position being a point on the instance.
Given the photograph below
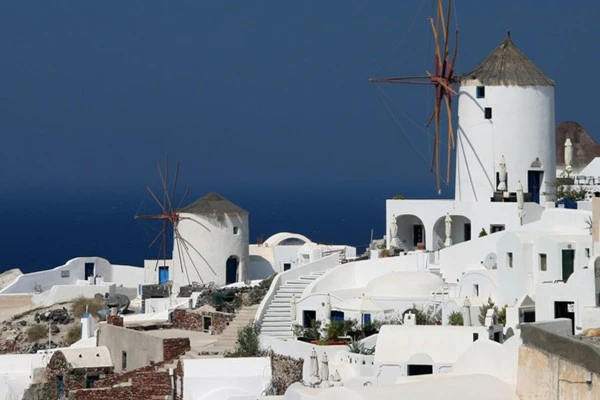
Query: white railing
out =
(316, 266)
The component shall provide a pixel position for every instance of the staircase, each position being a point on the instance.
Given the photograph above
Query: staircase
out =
(226, 341)
(277, 319)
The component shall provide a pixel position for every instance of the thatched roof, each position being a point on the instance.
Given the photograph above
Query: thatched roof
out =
(507, 66)
(213, 204)
(585, 148)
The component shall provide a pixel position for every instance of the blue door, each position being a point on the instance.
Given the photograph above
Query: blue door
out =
(231, 270)
(89, 270)
(163, 275)
(534, 184)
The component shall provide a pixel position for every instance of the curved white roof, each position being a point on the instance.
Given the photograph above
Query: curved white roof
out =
(90, 357)
(277, 238)
(404, 284)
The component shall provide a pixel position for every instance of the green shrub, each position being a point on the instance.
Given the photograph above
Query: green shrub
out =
(421, 317)
(335, 329)
(357, 347)
(456, 318)
(482, 233)
(37, 332)
(312, 333)
(79, 306)
(502, 316)
(247, 344)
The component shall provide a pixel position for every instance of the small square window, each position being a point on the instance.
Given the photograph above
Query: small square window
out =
(509, 259)
(543, 262)
(488, 113)
(235, 230)
(65, 274)
(480, 92)
(475, 336)
(496, 228)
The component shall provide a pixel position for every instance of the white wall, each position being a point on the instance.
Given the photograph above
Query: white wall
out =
(222, 378)
(16, 371)
(62, 293)
(440, 346)
(522, 129)
(127, 276)
(580, 289)
(70, 273)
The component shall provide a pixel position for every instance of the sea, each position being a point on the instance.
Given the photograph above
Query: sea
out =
(44, 229)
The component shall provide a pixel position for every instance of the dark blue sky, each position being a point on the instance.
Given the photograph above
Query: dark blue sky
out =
(242, 93)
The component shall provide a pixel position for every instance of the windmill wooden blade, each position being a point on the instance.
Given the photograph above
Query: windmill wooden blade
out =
(174, 186)
(162, 207)
(442, 79)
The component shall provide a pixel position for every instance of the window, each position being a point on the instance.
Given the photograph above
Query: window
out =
(496, 228)
(475, 290)
(65, 274)
(509, 259)
(488, 112)
(287, 266)
(337, 316)
(60, 386)
(467, 232)
(235, 230)
(308, 316)
(206, 323)
(475, 336)
(480, 92)
(366, 319)
(543, 262)
(89, 381)
(124, 360)
(587, 252)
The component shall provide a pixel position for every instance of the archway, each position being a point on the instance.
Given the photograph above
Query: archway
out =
(231, 270)
(460, 231)
(411, 232)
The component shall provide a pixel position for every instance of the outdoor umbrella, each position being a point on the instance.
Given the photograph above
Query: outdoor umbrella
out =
(325, 371)
(568, 156)
(448, 222)
(520, 202)
(293, 308)
(502, 175)
(328, 309)
(314, 369)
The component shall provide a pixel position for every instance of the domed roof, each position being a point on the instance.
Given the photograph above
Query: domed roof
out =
(404, 284)
(507, 66)
(286, 239)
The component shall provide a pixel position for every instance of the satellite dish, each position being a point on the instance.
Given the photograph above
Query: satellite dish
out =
(490, 261)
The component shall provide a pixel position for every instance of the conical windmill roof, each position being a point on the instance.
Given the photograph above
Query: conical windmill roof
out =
(213, 204)
(507, 66)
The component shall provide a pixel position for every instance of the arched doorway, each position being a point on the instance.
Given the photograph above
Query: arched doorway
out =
(231, 270)
(411, 232)
(460, 231)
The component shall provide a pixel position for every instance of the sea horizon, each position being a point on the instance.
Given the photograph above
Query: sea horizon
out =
(66, 225)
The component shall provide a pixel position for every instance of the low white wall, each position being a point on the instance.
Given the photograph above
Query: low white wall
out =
(165, 304)
(60, 293)
(16, 371)
(70, 273)
(224, 378)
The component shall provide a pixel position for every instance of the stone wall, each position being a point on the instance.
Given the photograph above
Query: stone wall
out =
(174, 347)
(149, 382)
(73, 379)
(192, 321)
(548, 376)
(115, 320)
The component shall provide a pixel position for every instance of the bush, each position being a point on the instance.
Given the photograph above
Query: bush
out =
(357, 347)
(421, 317)
(247, 344)
(73, 334)
(456, 318)
(335, 329)
(37, 332)
(312, 333)
(482, 233)
(502, 316)
(79, 305)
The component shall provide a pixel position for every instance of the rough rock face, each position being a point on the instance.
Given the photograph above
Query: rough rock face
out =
(585, 148)
(57, 316)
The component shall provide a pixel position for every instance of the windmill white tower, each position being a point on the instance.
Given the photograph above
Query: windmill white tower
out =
(506, 107)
